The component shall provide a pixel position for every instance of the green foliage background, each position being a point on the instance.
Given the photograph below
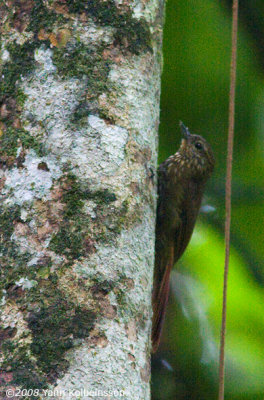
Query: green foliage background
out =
(195, 89)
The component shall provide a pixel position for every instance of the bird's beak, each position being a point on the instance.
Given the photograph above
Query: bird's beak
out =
(185, 131)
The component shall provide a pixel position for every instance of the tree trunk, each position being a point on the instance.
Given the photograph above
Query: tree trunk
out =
(79, 98)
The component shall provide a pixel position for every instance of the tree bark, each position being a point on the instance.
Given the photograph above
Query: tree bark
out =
(79, 98)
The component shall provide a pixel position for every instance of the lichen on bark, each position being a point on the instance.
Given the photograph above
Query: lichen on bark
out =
(79, 109)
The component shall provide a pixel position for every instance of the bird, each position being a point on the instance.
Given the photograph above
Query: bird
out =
(181, 183)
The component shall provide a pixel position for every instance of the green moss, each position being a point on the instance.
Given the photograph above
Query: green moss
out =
(121, 299)
(16, 358)
(12, 261)
(13, 138)
(73, 196)
(104, 114)
(7, 218)
(22, 56)
(75, 227)
(131, 34)
(43, 18)
(80, 113)
(53, 319)
(104, 12)
(135, 32)
(82, 60)
(76, 193)
(20, 97)
(69, 241)
(21, 63)
(54, 328)
(24, 371)
(54, 322)
(102, 196)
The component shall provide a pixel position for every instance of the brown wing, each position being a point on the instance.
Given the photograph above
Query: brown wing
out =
(168, 252)
(162, 237)
(189, 211)
(164, 255)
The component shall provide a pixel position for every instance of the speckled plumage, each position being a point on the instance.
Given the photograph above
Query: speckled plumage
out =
(181, 182)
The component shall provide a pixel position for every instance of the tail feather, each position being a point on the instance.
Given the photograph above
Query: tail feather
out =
(159, 303)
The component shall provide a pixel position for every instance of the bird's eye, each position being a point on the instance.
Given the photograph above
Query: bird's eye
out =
(198, 145)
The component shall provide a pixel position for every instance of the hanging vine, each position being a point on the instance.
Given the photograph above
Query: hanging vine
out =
(228, 191)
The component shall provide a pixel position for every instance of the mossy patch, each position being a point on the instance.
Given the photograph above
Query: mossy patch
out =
(54, 329)
(73, 196)
(13, 138)
(80, 60)
(43, 18)
(16, 358)
(53, 319)
(12, 99)
(102, 196)
(131, 34)
(22, 56)
(76, 59)
(21, 63)
(54, 323)
(69, 241)
(78, 232)
(72, 239)
(12, 262)
(80, 113)
(7, 218)
(22, 368)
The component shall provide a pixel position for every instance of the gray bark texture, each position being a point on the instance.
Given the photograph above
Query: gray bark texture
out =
(79, 108)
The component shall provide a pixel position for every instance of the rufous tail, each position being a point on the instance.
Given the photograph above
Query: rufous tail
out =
(159, 303)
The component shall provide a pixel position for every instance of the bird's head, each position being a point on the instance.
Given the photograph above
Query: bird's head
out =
(197, 154)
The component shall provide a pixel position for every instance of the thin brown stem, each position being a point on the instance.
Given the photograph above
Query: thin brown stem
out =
(228, 193)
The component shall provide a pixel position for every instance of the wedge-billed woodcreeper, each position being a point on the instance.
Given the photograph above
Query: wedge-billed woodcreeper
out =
(181, 183)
